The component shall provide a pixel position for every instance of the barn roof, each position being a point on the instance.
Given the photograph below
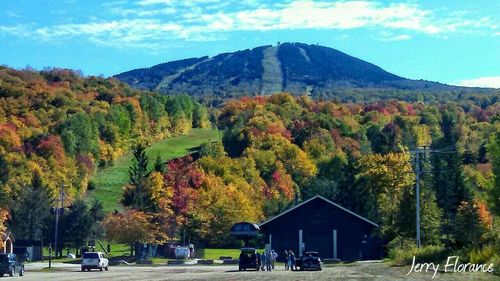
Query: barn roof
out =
(326, 200)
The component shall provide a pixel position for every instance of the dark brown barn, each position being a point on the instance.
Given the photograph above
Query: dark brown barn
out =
(321, 225)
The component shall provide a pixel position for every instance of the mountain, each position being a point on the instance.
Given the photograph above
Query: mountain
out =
(289, 67)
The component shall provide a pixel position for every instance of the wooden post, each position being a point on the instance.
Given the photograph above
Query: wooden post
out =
(300, 242)
(335, 244)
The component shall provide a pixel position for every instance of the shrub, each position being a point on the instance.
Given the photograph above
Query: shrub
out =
(402, 252)
(488, 254)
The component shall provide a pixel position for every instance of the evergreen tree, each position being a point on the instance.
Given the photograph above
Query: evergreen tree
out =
(447, 171)
(137, 195)
(159, 165)
(97, 215)
(31, 209)
(469, 226)
(350, 195)
(77, 225)
(430, 216)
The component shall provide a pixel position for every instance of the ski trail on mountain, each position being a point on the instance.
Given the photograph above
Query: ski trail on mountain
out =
(272, 78)
(165, 82)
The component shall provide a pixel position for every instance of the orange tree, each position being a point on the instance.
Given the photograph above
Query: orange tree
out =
(132, 227)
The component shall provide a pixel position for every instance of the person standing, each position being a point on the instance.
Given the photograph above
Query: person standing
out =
(292, 261)
(287, 259)
(274, 256)
(268, 260)
(263, 261)
(259, 259)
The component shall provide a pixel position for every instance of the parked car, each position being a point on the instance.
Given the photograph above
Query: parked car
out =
(248, 259)
(11, 264)
(94, 260)
(309, 261)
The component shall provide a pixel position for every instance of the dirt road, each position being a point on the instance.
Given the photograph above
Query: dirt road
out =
(364, 271)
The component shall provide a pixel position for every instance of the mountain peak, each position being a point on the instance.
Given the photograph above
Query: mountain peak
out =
(297, 68)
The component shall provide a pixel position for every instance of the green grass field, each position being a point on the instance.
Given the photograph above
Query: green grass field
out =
(215, 254)
(109, 182)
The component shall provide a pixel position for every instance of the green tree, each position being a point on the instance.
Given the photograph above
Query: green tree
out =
(119, 116)
(494, 152)
(77, 224)
(447, 171)
(213, 149)
(137, 195)
(159, 165)
(430, 216)
(97, 214)
(387, 178)
(153, 106)
(30, 210)
(469, 225)
(80, 135)
(200, 116)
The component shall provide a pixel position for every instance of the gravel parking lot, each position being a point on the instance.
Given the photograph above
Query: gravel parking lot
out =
(361, 271)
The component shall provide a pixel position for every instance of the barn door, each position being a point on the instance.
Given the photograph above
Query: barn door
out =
(318, 242)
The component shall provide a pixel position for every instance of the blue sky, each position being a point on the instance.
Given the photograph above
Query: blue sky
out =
(451, 41)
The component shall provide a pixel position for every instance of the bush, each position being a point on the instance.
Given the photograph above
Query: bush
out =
(486, 255)
(402, 252)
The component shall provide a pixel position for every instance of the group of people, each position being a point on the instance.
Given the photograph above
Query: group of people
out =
(267, 259)
(290, 260)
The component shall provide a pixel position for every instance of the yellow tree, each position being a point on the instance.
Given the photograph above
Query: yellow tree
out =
(219, 206)
(386, 177)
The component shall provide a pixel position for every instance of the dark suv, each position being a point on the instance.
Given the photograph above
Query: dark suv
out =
(248, 259)
(310, 261)
(9, 264)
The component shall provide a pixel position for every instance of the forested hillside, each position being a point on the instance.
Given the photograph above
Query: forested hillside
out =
(58, 127)
(281, 149)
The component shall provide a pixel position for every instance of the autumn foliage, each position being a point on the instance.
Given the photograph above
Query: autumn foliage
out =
(132, 226)
(62, 125)
(3, 227)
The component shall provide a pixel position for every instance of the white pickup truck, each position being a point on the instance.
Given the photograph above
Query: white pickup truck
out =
(94, 260)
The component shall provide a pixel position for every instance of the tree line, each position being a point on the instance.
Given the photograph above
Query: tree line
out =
(281, 149)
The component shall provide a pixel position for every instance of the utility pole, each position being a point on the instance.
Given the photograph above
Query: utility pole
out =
(50, 255)
(417, 191)
(57, 210)
(416, 152)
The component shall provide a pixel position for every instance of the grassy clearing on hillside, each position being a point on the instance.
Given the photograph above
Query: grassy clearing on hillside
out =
(109, 182)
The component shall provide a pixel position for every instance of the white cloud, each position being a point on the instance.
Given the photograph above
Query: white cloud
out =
(14, 30)
(158, 22)
(119, 34)
(155, 2)
(13, 14)
(388, 36)
(488, 82)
